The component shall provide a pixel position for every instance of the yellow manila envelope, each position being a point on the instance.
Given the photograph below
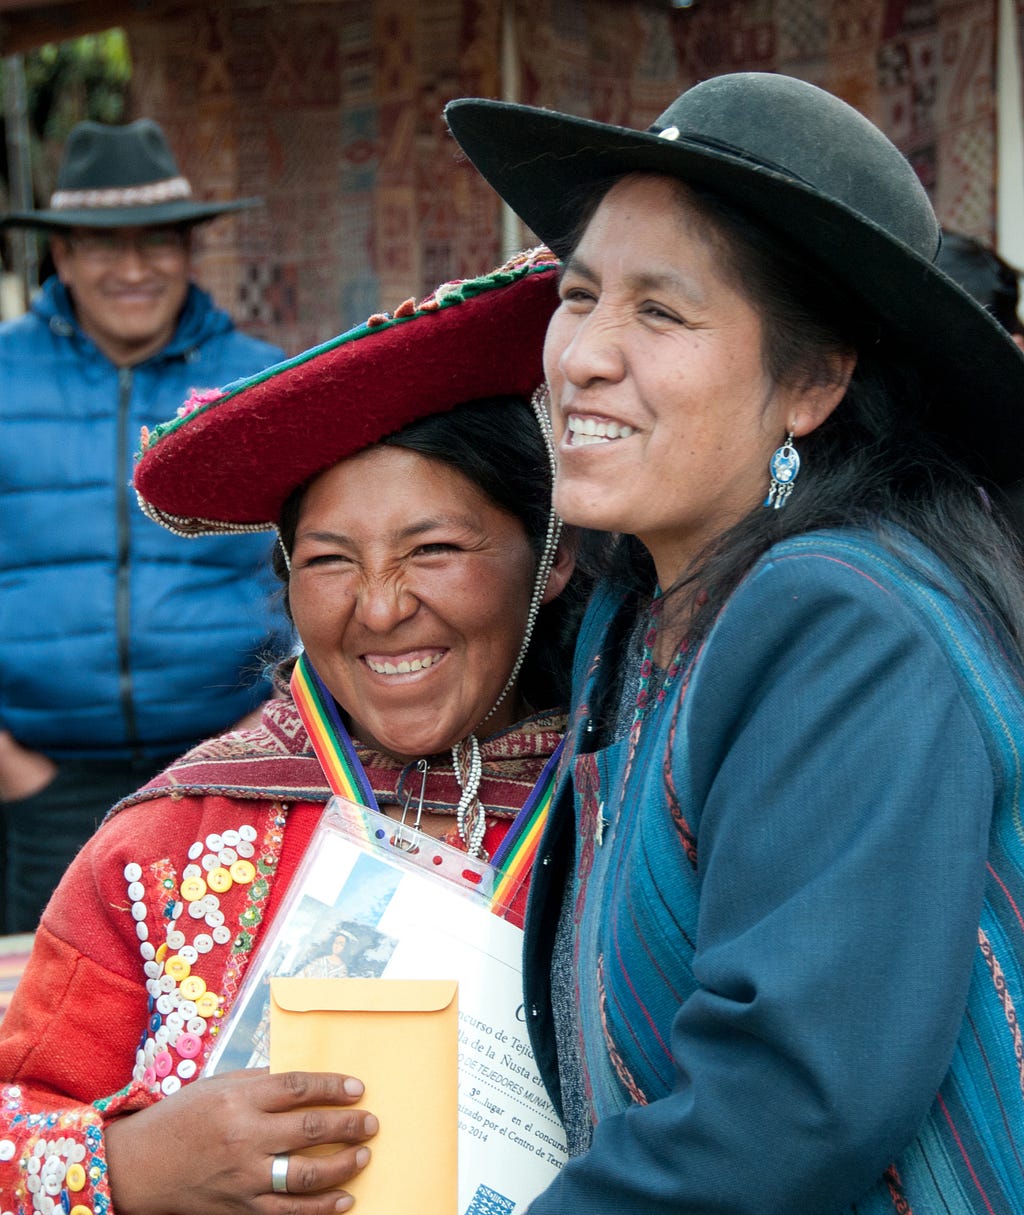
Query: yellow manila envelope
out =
(400, 1037)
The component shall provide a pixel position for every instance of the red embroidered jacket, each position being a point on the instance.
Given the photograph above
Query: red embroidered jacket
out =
(142, 948)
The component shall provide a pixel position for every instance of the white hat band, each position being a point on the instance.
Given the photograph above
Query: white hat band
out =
(122, 196)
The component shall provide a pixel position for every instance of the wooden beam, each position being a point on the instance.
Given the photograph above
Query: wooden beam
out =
(25, 24)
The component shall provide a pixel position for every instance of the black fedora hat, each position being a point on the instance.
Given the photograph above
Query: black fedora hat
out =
(822, 175)
(120, 177)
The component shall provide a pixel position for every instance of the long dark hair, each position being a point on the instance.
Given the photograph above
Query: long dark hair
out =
(497, 445)
(873, 463)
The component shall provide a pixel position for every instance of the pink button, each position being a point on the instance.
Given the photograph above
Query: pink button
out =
(163, 1064)
(149, 1076)
(188, 1045)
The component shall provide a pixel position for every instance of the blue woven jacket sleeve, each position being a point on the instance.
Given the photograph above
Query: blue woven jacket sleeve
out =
(841, 793)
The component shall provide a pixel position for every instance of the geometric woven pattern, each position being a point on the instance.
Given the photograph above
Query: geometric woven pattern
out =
(331, 111)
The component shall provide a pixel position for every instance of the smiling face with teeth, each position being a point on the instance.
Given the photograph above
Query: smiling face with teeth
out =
(663, 410)
(410, 590)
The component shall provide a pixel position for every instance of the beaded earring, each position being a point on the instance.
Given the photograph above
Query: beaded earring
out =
(470, 818)
(284, 552)
(469, 815)
(784, 467)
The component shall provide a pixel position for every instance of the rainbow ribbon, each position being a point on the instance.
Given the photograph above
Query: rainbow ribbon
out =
(331, 742)
(346, 776)
(515, 854)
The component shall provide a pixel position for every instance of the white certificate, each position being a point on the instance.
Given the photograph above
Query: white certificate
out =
(361, 907)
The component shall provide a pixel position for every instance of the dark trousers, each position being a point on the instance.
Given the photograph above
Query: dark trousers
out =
(43, 832)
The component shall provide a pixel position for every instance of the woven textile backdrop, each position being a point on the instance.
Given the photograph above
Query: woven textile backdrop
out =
(331, 111)
(923, 70)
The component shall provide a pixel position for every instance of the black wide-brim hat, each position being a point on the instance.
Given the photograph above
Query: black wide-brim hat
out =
(811, 166)
(121, 177)
(230, 459)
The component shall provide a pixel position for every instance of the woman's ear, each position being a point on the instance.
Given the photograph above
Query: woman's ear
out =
(561, 571)
(815, 401)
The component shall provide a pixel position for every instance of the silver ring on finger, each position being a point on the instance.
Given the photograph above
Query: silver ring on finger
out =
(279, 1173)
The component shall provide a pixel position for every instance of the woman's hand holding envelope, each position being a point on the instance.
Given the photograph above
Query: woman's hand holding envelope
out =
(224, 1145)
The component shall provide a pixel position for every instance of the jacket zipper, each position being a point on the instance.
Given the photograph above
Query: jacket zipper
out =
(123, 606)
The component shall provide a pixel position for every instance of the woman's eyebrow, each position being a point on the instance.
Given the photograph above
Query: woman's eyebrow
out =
(433, 523)
(419, 528)
(643, 280)
(573, 264)
(670, 282)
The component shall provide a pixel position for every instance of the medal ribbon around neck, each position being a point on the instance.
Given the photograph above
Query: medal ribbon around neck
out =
(346, 776)
(516, 853)
(330, 740)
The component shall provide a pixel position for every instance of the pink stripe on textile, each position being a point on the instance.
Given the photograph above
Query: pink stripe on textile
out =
(963, 1153)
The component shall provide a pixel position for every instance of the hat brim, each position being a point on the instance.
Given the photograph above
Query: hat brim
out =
(543, 163)
(175, 211)
(230, 463)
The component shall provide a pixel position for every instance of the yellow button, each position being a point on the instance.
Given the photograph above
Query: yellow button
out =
(177, 967)
(243, 872)
(193, 888)
(161, 951)
(192, 987)
(219, 879)
(80, 1209)
(75, 1178)
(206, 1004)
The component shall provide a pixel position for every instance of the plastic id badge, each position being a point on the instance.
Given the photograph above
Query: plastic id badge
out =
(344, 915)
(372, 900)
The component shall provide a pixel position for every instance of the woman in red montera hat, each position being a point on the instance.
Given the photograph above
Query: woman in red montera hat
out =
(408, 475)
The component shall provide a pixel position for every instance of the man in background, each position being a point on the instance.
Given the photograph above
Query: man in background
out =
(120, 645)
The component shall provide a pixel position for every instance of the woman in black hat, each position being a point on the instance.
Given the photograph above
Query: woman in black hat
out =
(775, 952)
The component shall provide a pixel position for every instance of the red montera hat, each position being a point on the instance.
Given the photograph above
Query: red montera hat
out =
(231, 458)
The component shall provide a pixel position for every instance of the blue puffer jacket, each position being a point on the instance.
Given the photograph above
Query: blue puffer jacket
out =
(117, 638)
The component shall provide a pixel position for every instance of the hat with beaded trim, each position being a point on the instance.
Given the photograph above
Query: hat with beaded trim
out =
(231, 457)
(121, 177)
